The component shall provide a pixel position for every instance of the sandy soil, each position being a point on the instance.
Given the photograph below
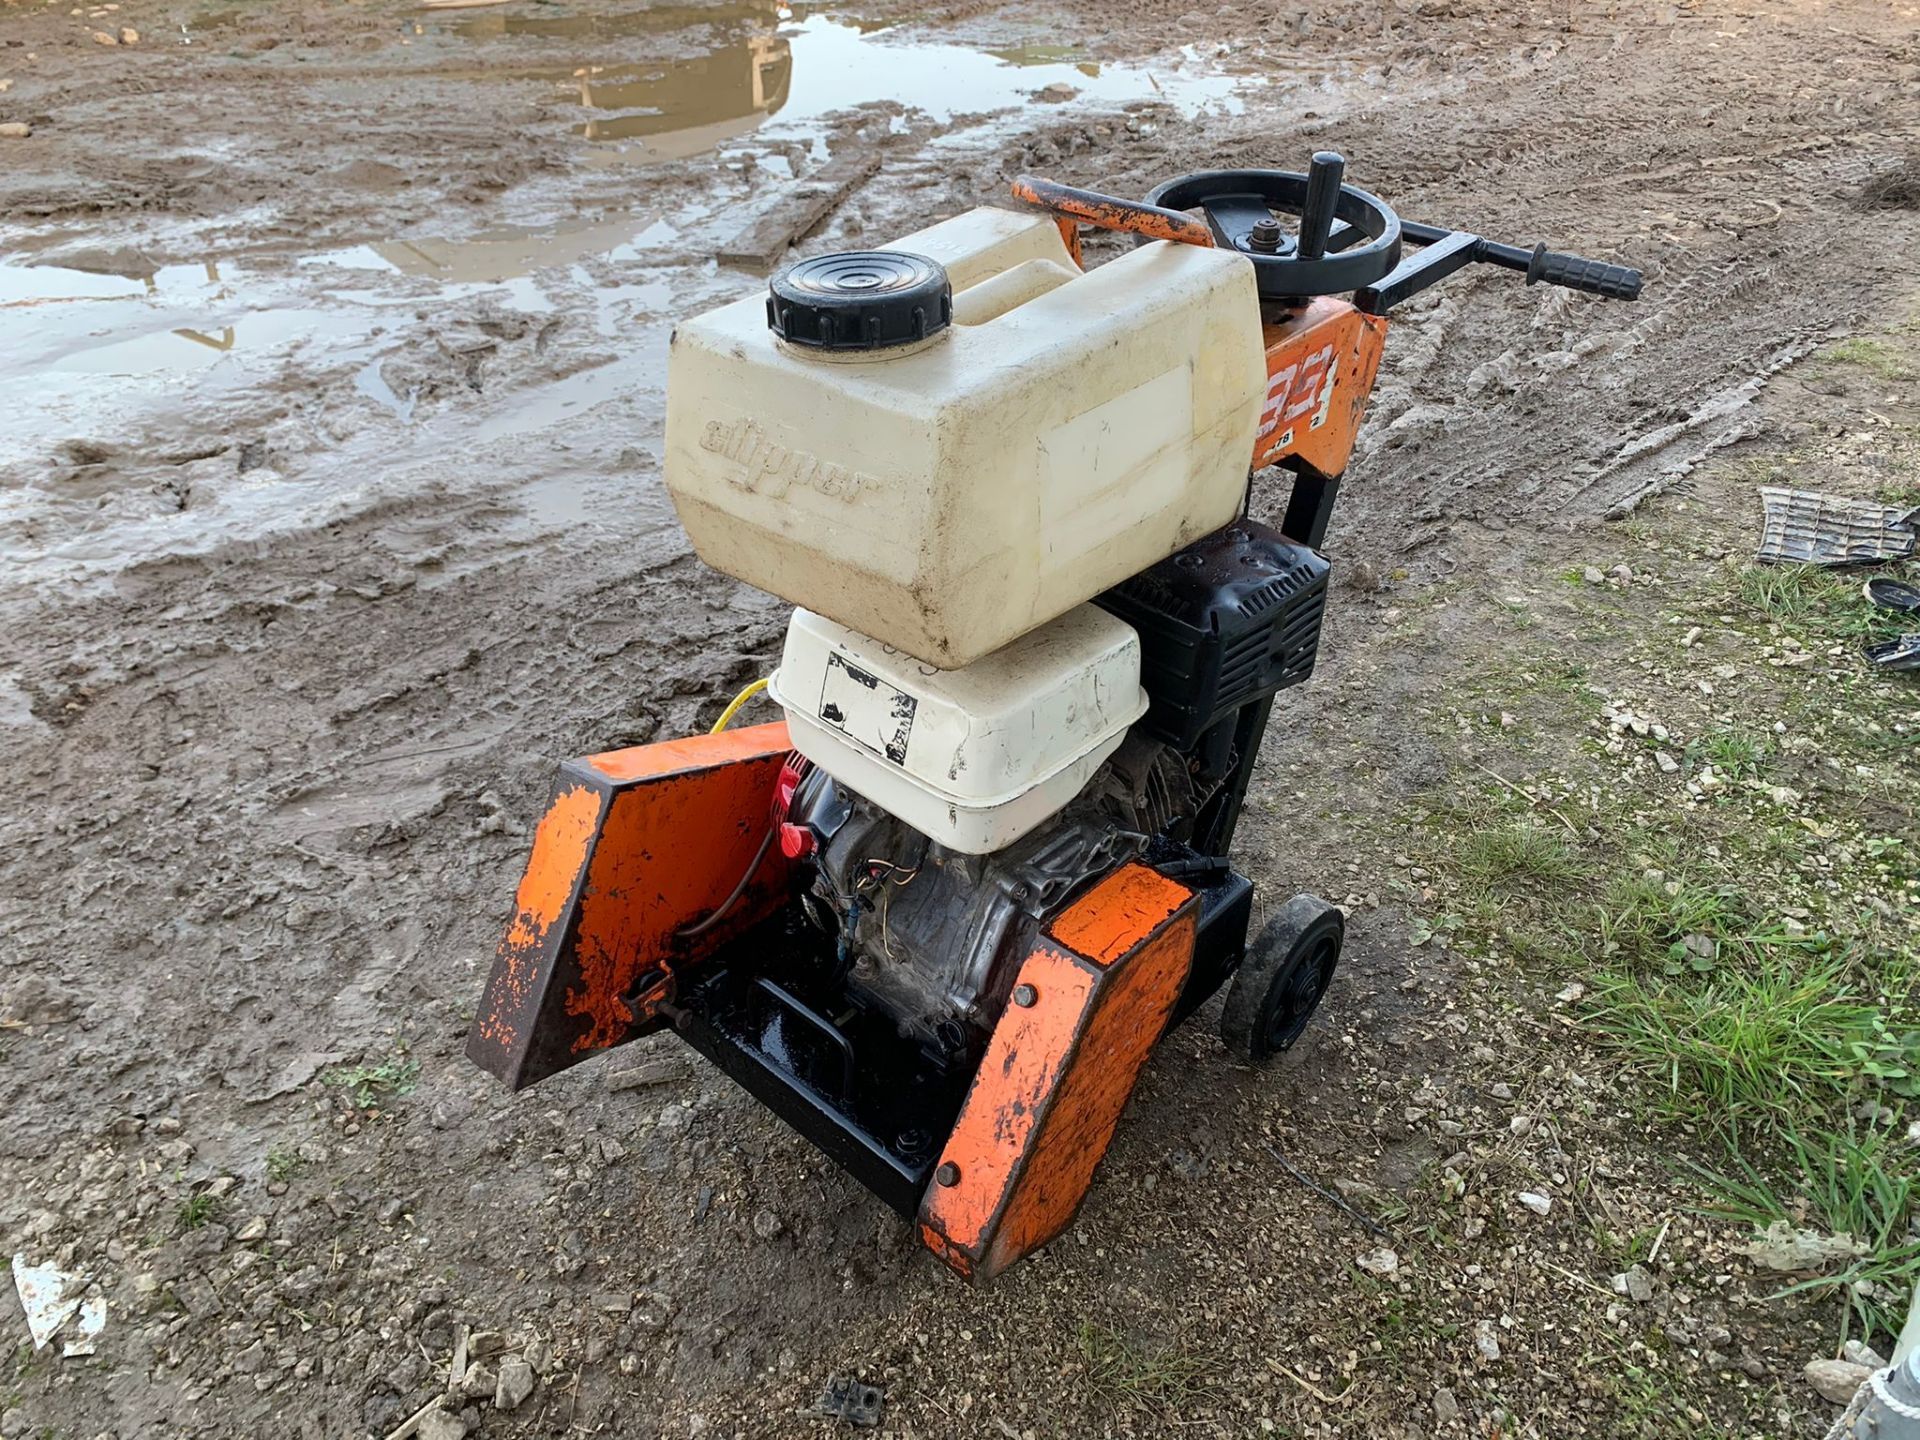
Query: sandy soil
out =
(330, 501)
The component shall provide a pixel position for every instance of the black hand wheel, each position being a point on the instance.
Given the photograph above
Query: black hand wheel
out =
(1242, 206)
(1278, 986)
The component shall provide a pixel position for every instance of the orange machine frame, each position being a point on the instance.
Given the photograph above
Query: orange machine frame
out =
(1090, 1001)
(634, 845)
(1322, 360)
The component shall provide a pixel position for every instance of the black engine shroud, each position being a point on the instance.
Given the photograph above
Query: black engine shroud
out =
(1224, 623)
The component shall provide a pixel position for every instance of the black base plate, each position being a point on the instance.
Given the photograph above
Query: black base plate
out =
(767, 1011)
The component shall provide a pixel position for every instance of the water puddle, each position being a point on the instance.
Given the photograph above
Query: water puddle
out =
(209, 351)
(778, 70)
(58, 321)
(498, 256)
(370, 382)
(137, 336)
(338, 342)
(16, 706)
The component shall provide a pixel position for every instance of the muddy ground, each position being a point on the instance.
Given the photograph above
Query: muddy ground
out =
(332, 342)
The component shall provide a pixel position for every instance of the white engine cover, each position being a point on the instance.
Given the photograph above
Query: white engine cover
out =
(973, 758)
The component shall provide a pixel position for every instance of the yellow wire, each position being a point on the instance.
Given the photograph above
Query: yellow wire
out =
(726, 715)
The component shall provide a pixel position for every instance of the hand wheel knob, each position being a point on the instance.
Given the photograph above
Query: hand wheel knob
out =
(1316, 211)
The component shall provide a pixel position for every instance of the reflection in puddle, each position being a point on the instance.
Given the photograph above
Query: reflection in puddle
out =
(822, 65)
(695, 105)
(767, 65)
(165, 319)
(223, 344)
(1047, 55)
(835, 66)
(625, 24)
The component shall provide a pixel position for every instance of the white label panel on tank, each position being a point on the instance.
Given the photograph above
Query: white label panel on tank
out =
(866, 709)
(1102, 470)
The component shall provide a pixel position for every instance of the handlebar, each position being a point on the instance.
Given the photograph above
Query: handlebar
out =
(1324, 174)
(1596, 277)
(1110, 212)
(1239, 209)
(1444, 251)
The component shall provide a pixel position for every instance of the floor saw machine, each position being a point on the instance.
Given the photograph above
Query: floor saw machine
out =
(938, 916)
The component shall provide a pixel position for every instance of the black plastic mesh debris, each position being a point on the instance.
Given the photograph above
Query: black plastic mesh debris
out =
(849, 1400)
(1803, 527)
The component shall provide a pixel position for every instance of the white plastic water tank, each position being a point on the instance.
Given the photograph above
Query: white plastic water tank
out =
(1065, 433)
(973, 758)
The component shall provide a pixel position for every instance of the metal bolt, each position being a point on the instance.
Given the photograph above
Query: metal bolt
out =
(1265, 237)
(1024, 996)
(948, 1174)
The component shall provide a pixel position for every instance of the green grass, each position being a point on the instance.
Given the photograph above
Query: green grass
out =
(1823, 606)
(367, 1085)
(1785, 1037)
(1520, 854)
(1734, 753)
(1860, 1183)
(1648, 921)
(1781, 592)
(1518, 611)
(196, 1210)
(1647, 1405)
(1165, 1380)
(283, 1163)
(1899, 492)
(1874, 356)
(1755, 1006)
(1620, 1250)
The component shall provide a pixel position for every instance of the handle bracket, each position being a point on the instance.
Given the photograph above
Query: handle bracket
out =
(1109, 212)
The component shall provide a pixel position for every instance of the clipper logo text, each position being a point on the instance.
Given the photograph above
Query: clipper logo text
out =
(774, 469)
(1300, 389)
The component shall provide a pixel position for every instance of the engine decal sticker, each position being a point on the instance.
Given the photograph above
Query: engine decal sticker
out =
(866, 709)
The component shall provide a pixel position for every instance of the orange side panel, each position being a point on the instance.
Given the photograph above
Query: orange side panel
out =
(693, 752)
(560, 844)
(1057, 1073)
(670, 850)
(1321, 366)
(635, 844)
(1118, 913)
(1129, 1017)
(1023, 1065)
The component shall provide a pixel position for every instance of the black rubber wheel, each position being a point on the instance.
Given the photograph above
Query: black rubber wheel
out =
(1278, 986)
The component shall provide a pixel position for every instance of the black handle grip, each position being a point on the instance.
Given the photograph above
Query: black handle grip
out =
(1316, 210)
(1596, 277)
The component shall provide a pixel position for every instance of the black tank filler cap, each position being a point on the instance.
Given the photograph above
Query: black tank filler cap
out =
(860, 300)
